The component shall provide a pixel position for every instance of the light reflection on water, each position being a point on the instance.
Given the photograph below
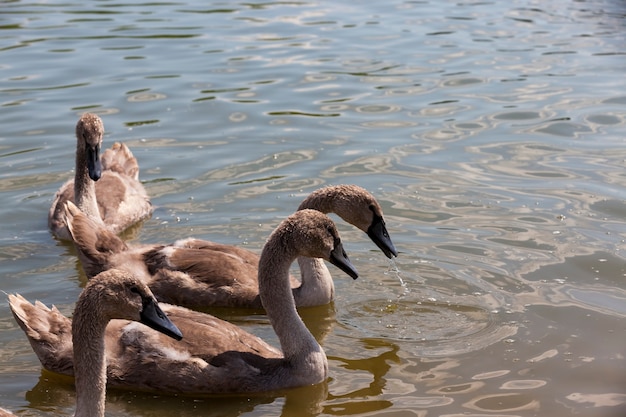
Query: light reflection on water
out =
(491, 133)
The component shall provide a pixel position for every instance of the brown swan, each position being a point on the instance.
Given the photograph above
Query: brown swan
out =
(216, 356)
(111, 295)
(198, 273)
(107, 188)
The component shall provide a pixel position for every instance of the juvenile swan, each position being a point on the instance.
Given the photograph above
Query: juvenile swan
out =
(110, 295)
(198, 273)
(216, 356)
(118, 198)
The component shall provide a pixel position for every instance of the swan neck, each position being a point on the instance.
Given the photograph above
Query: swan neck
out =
(278, 300)
(317, 286)
(84, 187)
(319, 202)
(89, 361)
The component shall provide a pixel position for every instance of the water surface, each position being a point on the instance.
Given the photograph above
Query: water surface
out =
(492, 133)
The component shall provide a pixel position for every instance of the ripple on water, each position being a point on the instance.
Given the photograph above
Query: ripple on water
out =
(520, 384)
(563, 128)
(464, 388)
(436, 328)
(518, 115)
(137, 97)
(503, 403)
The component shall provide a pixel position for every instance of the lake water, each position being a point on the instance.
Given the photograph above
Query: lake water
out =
(493, 134)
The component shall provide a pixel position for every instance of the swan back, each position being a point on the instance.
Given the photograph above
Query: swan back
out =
(122, 198)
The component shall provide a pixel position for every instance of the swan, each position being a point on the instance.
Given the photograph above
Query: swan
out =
(113, 294)
(197, 273)
(117, 200)
(215, 356)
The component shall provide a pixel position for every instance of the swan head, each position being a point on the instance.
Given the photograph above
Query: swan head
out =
(313, 234)
(356, 206)
(117, 294)
(89, 133)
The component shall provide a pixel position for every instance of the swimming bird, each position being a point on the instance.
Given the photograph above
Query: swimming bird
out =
(216, 356)
(113, 294)
(199, 273)
(117, 200)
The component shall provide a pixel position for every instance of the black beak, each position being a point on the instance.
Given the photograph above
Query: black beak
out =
(153, 317)
(379, 235)
(93, 163)
(339, 258)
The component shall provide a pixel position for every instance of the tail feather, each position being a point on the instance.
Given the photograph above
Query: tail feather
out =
(120, 159)
(94, 242)
(48, 331)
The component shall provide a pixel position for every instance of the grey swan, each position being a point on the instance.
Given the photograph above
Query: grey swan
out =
(106, 188)
(111, 295)
(197, 273)
(215, 356)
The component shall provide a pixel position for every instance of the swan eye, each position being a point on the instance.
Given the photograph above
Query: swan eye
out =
(134, 289)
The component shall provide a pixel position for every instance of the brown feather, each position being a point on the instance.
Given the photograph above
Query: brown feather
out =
(216, 356)
(198, 273)
(121, 199)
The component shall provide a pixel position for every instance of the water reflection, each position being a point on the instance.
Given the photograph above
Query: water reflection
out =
(354, 399)
(558, 285)
(54, 393)
(503, 403)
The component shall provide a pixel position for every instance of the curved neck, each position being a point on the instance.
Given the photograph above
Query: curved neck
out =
(276, 295)
(89, 361)
(317, 286)
(346, 201)
(84, 187)
(319, 202)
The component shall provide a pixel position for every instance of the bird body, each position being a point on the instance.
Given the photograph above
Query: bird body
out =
(216, 356)
(198, 273)
(77, 347)
(105, 188)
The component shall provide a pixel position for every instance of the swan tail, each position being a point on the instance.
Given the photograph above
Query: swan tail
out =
(48, 331)
(93, 241)
(120, 159)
